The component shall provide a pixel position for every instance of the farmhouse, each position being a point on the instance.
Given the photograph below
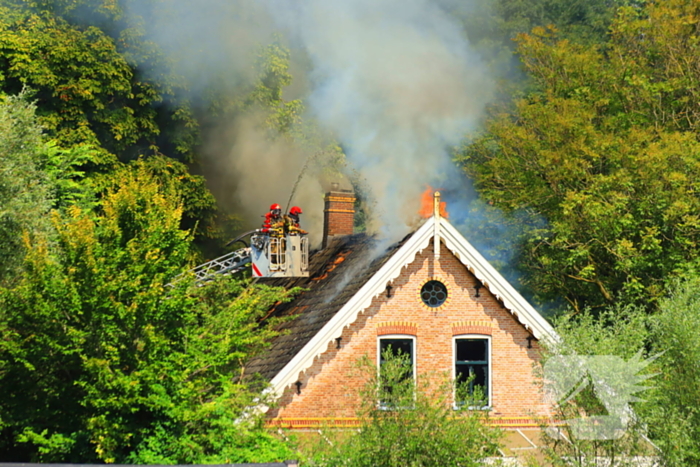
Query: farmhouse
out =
(431, 295)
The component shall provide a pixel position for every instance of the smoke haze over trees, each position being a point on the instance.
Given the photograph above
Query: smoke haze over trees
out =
(137, 136)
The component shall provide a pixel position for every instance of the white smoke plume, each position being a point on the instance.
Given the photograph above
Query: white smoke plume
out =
(210, 43)
(258, 171)
(396, 83)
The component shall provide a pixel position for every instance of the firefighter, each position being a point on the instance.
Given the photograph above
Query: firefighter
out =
(276, 231)
(276, 210)
(291, 222)
(276, 220)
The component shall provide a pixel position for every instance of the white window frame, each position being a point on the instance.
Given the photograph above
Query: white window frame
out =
(379, 357)
(489, 359)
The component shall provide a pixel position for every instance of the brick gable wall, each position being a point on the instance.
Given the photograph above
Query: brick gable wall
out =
(330, 387)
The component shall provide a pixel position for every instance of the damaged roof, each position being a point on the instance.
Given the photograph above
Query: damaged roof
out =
(343, 280)
(336, 273)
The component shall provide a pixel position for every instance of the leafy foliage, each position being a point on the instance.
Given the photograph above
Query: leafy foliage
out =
(102, 361)
(610, 166)
(25, 193)
(88, 91)
(199, 207)
(612, 340)
(35, 176)
(92, 94)
(672, 412)
(667, 410)
(414, 425)
(584, 21)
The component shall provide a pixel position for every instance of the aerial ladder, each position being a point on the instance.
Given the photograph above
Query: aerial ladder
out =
(268, 256)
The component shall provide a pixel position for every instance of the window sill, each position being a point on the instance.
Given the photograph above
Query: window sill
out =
(486, 408)
(390, 408)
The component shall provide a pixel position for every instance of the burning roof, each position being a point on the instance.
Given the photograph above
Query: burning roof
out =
(426, 205)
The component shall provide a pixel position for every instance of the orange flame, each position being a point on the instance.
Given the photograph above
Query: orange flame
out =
(426, 204)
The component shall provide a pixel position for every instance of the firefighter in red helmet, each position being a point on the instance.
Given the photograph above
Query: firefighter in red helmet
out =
(274, 226)
(275, 220)
(291, 221)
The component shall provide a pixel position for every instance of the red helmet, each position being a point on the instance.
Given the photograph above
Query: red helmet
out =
(275, 206)
(295, 211)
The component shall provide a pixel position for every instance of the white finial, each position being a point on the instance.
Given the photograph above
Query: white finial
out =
(436, 225)
(436, 205)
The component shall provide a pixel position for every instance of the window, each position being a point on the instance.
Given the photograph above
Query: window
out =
(396, 371)
(472, 372)
(433, 293)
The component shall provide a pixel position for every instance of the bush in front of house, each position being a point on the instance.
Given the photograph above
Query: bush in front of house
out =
(407, 421)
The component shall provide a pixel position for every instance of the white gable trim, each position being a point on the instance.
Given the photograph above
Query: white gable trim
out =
(496, 283)
(405, 255)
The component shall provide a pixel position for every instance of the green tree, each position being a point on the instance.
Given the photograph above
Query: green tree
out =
(666, 412)
(99, 77)
(25, 194)
(605, 152)
(102, 361)
(672, 411)
(491, 28)
(603, 347)
(88, 91)
(414, 424)
(35, 176)
(87, 65)
(585, 21)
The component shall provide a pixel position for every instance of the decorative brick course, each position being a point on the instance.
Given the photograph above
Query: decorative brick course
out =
(472, 327)
(397, 327)
(354, 422)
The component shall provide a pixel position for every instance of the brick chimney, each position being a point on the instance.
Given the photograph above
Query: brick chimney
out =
(338, 214)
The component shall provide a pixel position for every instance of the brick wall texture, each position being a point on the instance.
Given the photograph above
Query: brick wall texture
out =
(330, 387)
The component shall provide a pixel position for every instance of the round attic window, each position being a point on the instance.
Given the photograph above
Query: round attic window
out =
(433, 293)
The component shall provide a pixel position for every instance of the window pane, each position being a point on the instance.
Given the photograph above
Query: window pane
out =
(472, 350)
(396, 376)
(472, 372)
(396, 347)
(479, 372)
